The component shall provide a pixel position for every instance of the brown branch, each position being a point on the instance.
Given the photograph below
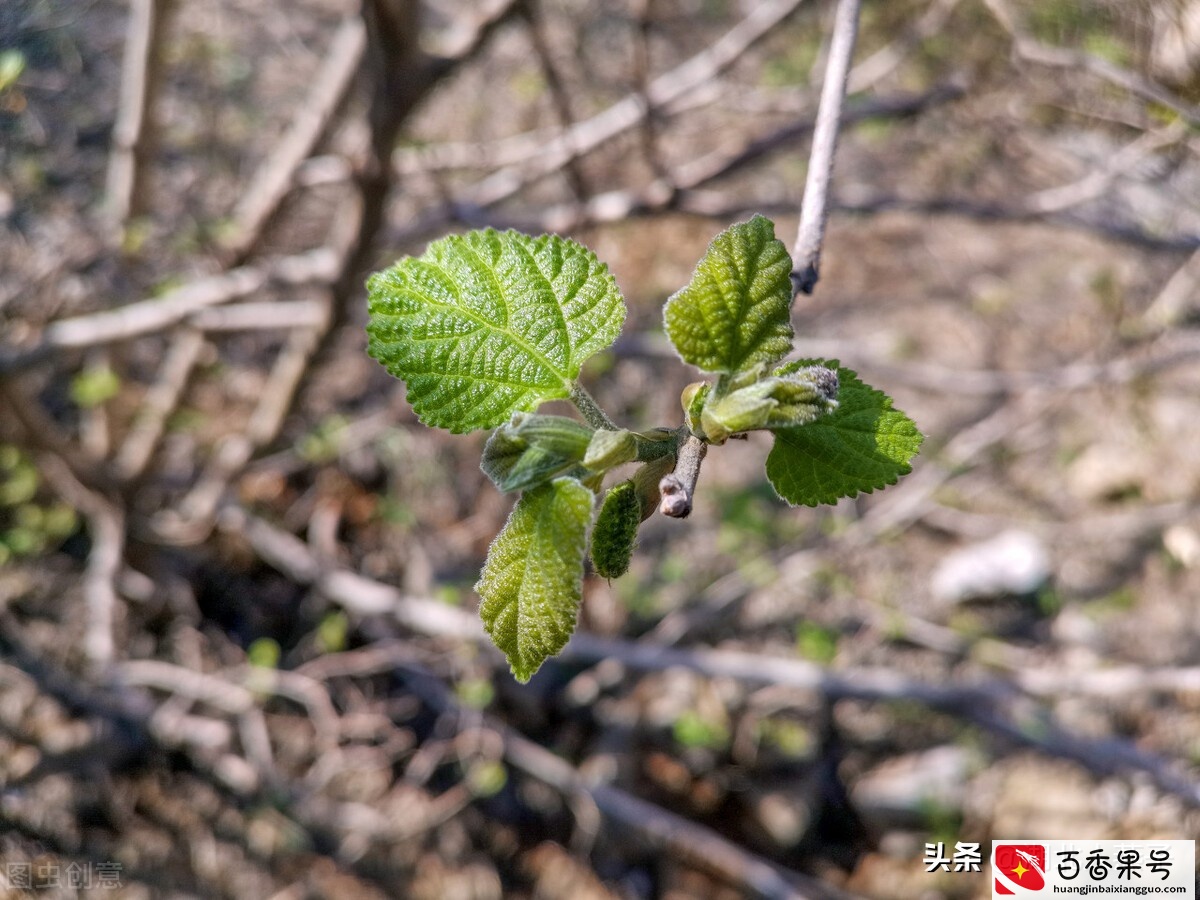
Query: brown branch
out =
(193, 520)
(559, 96)
(678, 488)
(681, 187)
(981, 702)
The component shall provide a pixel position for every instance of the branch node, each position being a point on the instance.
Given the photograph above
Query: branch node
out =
(678, 487)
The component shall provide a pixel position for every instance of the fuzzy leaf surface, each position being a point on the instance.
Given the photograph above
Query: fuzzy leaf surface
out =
(489, 323)
(735, 312)
(532, 582)
(616, 530)
(532, 449)
(862, 445)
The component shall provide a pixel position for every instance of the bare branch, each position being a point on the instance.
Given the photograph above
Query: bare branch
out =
(194, 517)
(106, 528)
(1176, 299)
(133, 133)
(627, 113)
(679, 487)
(160, 401)
(276, 174)
(806, 255)
(681, 837)
(1035, 51)
(156, 314)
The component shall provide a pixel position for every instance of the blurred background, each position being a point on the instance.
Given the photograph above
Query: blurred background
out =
(239, 655)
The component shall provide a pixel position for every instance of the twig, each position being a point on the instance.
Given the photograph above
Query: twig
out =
(1176, 299)
(559, 95)
(678, 487)
(1099, 182)
(685, 839)
(275, 176)
(887, 59)
(1065, 58)
(156, 314)
(469, 35)
(160, 401)
(977, 701)
(267, 315)
(106, 528)
(807, 253)
(133, 132)
(193, 520)
(628, 112)
(679, 188)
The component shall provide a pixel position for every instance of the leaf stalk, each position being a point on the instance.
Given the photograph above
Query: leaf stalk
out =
(590, 409)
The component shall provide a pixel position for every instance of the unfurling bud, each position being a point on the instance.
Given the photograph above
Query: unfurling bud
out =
(693, 398)
(609, 449)
(794, 395)
(531, 449)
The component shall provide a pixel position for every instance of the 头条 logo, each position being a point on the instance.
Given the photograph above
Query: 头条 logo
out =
(1019, 868)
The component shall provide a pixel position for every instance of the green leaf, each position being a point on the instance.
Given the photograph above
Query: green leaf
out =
(532, 449)
(794, 395)
(863, 445)
(532, 582)
(735, 312)
(616, 530)
(489, 323)
(609, 449)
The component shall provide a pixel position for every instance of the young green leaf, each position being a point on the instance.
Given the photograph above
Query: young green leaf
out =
(735, 312)
(794, 395)
(532, 581)
(616, 530)
(862, 445)
(489, 323)
(609, 449)
(532, 449)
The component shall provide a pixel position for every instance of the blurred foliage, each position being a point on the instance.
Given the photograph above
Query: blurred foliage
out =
(692, 729)
(94, 385)
(28, 526)
(815, 643)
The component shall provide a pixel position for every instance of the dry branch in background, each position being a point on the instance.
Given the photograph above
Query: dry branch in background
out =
(133, 133)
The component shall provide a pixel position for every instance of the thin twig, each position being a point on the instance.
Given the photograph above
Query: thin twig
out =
(679, 487)
(159, 313)
(559, 96)
(275, 176)
(683, 838)
(106, 528)
(160, 401)
(1176, 300)
(628, 112)
(133, 133)
(1099, 182)
(979, 701)
(1035, 51)
(193, 519)
(806, 255)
